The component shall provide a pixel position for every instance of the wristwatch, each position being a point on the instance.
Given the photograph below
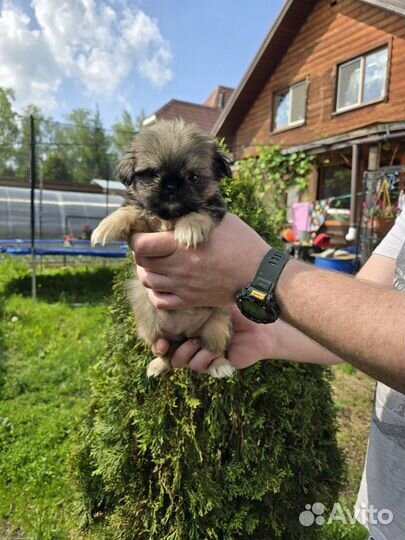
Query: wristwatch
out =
(256, 301)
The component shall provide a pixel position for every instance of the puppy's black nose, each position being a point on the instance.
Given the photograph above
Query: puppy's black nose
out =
(171, 189)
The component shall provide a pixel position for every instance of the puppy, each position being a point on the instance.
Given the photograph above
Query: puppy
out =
(172, 172)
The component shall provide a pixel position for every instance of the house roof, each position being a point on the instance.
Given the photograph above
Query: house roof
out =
(204, 115)
(396, 6)
(219, 97)
(284, 30)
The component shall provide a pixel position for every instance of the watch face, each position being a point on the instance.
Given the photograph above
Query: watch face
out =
(254, 310)
(257, 311)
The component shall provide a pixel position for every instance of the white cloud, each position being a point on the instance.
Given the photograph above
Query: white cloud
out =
(26, 63)
(99, 43)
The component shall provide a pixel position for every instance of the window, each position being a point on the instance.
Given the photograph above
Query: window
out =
(335, 181)
(362, 80)
(289, 106)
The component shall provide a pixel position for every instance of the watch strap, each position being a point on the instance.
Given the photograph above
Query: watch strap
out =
(270, 270)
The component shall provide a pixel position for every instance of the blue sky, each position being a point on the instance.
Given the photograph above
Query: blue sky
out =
(126, 53)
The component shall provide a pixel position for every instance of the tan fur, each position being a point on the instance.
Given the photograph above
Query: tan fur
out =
(212, 326)
(118, 226)
(193, 229)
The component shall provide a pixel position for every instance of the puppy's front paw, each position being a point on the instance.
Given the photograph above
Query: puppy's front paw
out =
(117, 226)
(193, 229)
(157, 367)
(102, 234)
(220, 368)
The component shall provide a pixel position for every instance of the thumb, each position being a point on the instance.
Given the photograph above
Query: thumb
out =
(160, 347)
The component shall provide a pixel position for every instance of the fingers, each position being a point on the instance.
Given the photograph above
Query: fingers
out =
(190, 354)
(159, 244)
(201, 360)
(163, 300)
(185, 353)
(160, 347)
(150, 280)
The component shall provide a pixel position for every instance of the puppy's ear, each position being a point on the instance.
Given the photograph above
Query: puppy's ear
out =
(222, 164)
(126, 169)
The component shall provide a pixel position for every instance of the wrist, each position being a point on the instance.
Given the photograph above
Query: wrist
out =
(250, 265)
(257, 301)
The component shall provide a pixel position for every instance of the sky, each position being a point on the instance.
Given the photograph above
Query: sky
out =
(126, 54)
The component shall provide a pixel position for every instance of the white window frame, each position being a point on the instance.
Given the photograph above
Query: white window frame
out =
(360, 97)
(290, 91)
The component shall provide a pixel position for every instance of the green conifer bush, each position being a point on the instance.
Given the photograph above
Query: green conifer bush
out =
(189, 457)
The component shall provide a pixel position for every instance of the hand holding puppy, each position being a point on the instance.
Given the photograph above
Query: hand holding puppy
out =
(210, 275)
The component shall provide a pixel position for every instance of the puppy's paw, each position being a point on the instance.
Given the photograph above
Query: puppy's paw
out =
(117, 226)
(157, 367)
(101, 235)
(220, 368)
(193, 229)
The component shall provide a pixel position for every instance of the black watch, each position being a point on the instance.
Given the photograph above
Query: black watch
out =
(257, 301)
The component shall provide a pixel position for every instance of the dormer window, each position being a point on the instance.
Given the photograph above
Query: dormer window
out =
(362, 80)
(290, 106)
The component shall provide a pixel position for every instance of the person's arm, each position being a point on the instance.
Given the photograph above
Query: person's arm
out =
(360, 322)
(252, 342)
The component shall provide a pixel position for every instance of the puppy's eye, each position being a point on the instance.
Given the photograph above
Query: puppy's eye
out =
(193, 177)
(147, 174)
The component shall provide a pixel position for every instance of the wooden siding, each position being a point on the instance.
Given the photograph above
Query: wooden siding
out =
(330, 36)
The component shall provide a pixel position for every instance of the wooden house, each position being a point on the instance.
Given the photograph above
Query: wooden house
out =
(204, 115)
(329, 79)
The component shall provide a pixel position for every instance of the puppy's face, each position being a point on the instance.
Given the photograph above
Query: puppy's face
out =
(173, 169)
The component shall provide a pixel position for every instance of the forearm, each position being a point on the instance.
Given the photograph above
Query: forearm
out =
(291, 344)
(357, 321)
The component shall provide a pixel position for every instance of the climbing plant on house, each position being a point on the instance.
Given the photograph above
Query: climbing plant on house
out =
(274, 174)
(189, 457)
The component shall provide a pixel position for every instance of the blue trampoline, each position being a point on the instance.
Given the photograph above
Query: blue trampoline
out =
(59, 247)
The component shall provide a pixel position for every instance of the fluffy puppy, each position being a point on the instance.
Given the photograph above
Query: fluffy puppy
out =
(172, 172)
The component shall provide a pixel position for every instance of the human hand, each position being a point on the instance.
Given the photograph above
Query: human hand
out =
(250, 343)
(208, 275)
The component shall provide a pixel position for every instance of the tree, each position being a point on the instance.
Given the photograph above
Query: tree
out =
(100, 146)
(55, 169)
(85, 146)
(188, 457)
(8, 132)
(43, 130)
(123, 131)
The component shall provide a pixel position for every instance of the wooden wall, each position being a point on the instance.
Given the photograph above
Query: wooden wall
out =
(331, 35)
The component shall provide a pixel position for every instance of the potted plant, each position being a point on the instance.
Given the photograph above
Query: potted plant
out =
(382, 217)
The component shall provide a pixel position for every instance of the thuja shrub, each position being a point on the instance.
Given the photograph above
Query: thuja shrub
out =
(189, 457)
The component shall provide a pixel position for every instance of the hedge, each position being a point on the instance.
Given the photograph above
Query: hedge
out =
(189, 457)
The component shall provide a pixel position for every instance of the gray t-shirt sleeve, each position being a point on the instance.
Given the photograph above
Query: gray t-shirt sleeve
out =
(393, 242)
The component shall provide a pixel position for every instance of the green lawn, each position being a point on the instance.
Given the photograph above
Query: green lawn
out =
(47, 349)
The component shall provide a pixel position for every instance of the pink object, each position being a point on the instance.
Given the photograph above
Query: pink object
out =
(301, 219)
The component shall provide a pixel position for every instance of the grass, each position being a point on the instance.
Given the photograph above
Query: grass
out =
(353, 392)
(47, 349)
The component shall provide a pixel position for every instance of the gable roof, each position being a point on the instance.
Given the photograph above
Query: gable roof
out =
(219, 97)
(194, 113)
(292, 16)
(396, 6)
(204, 115)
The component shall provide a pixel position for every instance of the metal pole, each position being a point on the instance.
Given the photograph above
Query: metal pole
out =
(107, 196)
(369, 188)
(352, 233)
(33, 181)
